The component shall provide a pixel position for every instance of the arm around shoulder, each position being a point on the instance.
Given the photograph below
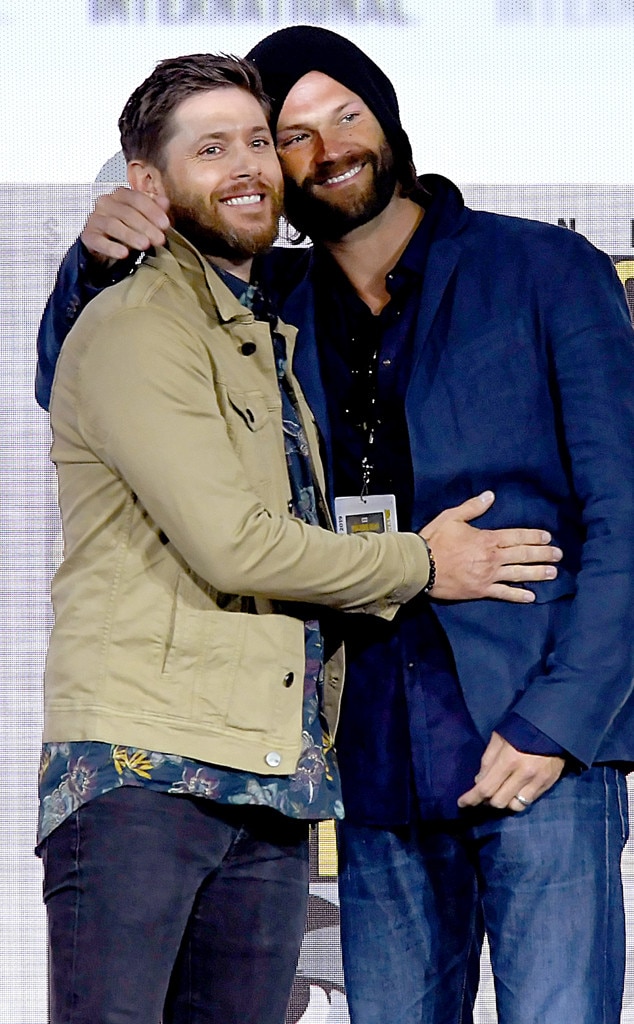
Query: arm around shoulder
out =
(75, 286)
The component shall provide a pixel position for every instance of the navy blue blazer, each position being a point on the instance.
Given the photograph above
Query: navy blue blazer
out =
(523, 382)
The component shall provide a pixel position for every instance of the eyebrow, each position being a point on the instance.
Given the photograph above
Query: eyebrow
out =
(223, 134)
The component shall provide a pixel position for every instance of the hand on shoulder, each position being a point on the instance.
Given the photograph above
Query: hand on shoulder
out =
(124, 221)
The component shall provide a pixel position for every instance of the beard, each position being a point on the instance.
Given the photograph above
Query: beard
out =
(203, 222)
(328, 220)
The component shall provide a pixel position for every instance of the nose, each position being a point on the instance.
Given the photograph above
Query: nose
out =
(246, 162)
(328, 146)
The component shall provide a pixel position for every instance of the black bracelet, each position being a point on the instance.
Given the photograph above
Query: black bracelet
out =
(432, 567)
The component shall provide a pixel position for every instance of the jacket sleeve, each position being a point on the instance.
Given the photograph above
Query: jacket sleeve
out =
(72, 292)
(148, 409)
(589, 674)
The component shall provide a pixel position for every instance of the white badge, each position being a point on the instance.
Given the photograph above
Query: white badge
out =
(375, 513)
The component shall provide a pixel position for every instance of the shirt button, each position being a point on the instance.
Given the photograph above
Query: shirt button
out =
(289, 679)
(273, 759)
(248, 348)
(387, 362)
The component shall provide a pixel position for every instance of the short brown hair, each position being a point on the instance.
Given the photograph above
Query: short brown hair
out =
(145, 123)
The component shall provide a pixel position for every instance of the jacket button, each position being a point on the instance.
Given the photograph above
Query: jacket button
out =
(248, 348)
(273, 759)
(289, 679)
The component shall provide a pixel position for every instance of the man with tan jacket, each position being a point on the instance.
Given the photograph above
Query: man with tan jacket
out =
(191, 691)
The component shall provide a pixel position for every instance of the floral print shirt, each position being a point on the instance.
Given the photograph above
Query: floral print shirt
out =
(73, 773)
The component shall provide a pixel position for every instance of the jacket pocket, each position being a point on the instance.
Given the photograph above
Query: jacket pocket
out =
(251, 407)
(265, 693)
(245, 671)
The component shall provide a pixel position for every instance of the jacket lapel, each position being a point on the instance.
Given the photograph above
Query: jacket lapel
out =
(443, 258)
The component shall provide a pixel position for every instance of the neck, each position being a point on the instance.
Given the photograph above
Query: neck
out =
(237, 264)
(368, 253)
(238, 267)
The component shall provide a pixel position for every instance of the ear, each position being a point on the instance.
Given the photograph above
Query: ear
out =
(144, 177)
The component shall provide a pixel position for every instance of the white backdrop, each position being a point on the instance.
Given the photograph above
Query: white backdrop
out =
(535, 94)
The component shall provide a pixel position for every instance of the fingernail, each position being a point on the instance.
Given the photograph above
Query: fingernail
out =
(551, 572)
(528, 596)
(546, 538)
(486, 496)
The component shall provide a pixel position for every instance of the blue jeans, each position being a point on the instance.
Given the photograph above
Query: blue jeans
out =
(547, 882)
(173, 908)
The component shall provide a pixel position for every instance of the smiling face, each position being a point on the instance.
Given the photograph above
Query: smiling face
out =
(220, 173)
(338, 167)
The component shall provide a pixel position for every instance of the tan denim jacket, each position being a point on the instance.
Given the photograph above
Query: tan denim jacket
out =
(178, 541)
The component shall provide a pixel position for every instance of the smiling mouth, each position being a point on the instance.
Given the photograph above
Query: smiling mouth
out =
(251, 200)
(343, 177)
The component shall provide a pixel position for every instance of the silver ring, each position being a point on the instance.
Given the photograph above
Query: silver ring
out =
(522, 800)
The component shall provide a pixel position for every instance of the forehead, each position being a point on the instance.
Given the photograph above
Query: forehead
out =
(315, 93)
(224, 109)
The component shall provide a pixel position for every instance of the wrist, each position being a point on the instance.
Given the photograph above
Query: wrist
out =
(432, 567)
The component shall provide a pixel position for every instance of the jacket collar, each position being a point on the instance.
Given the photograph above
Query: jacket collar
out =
(200, 275)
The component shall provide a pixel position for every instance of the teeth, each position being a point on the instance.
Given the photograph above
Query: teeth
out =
(243, 200)
(342, 177)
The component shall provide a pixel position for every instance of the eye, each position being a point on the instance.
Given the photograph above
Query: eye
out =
(261, 143)
(350, 117)
(210, 151)
(292, 140)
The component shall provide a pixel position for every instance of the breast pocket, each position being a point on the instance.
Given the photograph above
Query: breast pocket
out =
(256, 434)
(250, 409)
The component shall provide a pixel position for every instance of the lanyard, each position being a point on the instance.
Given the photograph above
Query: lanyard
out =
(370, 422)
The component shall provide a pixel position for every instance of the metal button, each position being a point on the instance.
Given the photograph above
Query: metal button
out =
(289, 679)
(273, 759)
(248, 348)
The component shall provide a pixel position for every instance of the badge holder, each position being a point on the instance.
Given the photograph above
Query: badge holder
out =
(373, 513)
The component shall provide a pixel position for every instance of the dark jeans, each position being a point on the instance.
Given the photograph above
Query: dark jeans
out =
(173, 908)
(547, 883)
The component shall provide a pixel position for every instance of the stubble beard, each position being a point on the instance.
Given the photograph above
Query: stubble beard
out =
(206, 226)
(324, 220)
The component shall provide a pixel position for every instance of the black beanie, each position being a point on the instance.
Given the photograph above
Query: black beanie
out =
(286, 56)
